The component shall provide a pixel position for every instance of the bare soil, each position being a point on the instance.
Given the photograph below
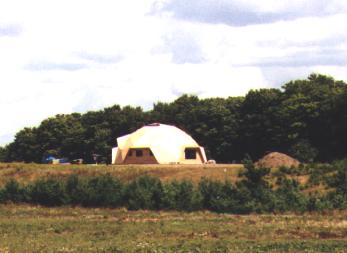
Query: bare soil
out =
(276, 160)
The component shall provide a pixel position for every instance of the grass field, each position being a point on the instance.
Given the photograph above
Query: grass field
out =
(26, 228)
(25, 173)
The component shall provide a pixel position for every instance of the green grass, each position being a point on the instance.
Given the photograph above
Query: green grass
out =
(25, 228)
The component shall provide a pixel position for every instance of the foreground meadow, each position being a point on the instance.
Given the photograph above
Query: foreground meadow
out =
(26, 228)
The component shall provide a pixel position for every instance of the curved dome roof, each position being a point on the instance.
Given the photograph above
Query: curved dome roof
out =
(166, 142)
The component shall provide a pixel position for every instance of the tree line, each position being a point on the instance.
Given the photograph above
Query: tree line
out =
(304, 118)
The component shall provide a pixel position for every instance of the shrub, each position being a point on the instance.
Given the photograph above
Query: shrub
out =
(2, 197)
(301, 170)
(336, 200)
(219, 197)
(318, 203)
(48, 192)
(181, 196)
(254, 177)
(13, 192)
(339, 179)
(144, 193)
(254, 191)
(288, 196)
(99, 191)
(75, 190)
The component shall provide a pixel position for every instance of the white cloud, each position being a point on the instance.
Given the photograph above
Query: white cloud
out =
(247, 12)
(65, 56)
(9, 30)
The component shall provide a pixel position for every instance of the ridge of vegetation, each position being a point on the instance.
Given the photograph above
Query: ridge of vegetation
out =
(256, 190)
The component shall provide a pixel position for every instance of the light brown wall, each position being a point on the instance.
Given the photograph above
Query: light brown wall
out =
(145, 159)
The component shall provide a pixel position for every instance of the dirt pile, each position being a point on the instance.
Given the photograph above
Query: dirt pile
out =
(276, 159)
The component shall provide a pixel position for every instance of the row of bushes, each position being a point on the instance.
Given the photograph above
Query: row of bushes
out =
(252, 193)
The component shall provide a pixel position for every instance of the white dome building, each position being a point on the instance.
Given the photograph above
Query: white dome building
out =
(158, 144)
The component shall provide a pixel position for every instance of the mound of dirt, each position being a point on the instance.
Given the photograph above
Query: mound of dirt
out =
(276, 159)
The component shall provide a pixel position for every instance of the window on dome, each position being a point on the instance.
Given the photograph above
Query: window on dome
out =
(190, 153)
(139, 152)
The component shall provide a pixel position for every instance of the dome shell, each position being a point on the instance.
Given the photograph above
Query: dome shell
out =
(167, 143)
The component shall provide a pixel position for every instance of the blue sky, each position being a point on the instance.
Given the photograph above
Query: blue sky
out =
(66, 56)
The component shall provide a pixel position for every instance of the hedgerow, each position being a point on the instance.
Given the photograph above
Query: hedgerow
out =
(252, 193)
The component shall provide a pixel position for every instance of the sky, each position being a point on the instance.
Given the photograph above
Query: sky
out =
(75, 56)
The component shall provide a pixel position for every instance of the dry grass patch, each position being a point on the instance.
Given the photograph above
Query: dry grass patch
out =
(25, 173)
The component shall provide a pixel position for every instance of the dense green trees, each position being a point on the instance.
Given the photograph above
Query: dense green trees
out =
(3, 153)
(306, 118)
